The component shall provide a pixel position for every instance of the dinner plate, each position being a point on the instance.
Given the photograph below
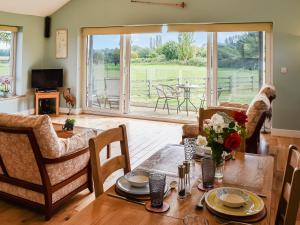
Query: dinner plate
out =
(123, 184)
(253, 206)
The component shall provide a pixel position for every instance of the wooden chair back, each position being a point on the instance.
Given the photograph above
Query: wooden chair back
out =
(205, 114)
(102, 171)
(290, 195)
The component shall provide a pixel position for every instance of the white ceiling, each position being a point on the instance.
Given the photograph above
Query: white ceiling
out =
(32, 7)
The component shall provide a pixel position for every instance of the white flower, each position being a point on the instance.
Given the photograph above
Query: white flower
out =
(201, 140)
(217, 120)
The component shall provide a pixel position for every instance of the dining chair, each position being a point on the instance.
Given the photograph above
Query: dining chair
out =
(102, 171)
(290, 196)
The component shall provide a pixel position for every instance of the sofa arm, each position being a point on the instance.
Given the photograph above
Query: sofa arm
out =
(76, 142)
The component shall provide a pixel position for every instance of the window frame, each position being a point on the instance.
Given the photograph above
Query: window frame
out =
(13, 56)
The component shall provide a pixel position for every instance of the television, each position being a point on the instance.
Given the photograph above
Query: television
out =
(47, 79)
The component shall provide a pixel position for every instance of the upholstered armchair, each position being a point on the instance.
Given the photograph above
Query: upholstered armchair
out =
(38, 169)
(257, 112)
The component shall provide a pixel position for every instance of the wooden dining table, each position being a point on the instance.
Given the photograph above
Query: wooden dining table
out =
(248, 171)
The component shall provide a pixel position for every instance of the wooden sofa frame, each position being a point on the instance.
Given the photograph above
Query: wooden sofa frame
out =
(45, 188)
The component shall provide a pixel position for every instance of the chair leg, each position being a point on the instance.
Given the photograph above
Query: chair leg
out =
(165, 104)
(168, 106)
(90, 178)
(156, 104)
(178, 108)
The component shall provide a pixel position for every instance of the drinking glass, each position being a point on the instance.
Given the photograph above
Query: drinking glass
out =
(157, 182)
(208, 172)
(189, 148)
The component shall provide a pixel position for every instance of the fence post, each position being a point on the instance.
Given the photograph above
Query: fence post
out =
(231, 84)
(149, 88)
(252, 82)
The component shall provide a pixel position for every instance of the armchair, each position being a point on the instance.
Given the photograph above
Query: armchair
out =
(257, 112)
(38, 169)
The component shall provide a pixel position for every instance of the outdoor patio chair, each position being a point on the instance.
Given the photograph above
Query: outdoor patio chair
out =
(167, 93)
(112, 92)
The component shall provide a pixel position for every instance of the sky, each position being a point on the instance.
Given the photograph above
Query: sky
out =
(143, 40)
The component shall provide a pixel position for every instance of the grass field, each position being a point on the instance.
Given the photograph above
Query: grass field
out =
(4, 69)
(241, 89)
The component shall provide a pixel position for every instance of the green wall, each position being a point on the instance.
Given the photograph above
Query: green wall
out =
(284, 14)
(31, 49)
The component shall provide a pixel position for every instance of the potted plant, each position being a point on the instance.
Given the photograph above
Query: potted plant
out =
(5, 87)
(69, 124)
(223, 134)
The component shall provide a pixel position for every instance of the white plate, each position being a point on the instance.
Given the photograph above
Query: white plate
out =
(123, 185)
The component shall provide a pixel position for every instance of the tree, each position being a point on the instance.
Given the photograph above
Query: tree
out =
(185, 46)
(5, 37)
(169, 50)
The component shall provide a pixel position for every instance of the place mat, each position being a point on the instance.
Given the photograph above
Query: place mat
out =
(127, 195)
(244, 219)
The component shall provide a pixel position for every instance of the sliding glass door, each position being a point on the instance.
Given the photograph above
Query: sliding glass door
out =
(104, 72)
(170, 71)
(241, 65)
(168, 74)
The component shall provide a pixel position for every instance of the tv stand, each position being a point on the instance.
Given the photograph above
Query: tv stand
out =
(47, 95)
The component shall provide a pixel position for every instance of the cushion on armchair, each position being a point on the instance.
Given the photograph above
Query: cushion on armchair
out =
(258, 106)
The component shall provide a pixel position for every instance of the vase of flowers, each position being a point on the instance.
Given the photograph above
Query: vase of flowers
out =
(224, 134)
(5, 87)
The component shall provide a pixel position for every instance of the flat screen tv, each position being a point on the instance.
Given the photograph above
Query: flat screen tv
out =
(47, 79)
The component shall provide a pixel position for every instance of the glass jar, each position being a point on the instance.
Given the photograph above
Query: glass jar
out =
(181, 182)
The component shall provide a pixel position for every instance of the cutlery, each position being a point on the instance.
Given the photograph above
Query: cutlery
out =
(172, 186)
(222, 221)
(127, 199)
(200, 202)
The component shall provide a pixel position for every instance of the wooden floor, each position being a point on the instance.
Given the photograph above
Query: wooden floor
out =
(145, 138)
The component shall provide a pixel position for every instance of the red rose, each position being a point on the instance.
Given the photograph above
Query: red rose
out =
(240, 117)
(232, 141)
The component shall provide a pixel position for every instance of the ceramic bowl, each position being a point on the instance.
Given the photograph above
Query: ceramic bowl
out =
(232, 197)
(138, 178)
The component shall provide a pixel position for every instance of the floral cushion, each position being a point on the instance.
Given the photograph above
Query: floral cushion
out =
(259, 105)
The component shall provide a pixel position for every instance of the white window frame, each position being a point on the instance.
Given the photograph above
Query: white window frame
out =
(13, 55)
(212, 66)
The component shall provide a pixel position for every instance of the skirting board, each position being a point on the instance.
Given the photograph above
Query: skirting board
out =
(73, 111)
(285, 133)
(26, 112)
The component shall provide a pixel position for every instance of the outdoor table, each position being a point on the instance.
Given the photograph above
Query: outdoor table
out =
(187, 96)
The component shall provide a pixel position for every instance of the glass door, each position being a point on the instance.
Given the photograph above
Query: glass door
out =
(168, 74)
(241, 66)
(104, 73)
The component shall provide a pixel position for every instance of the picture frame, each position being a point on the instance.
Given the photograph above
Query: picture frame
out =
(61, 42)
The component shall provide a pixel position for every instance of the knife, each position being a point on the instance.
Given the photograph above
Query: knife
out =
(126, 199)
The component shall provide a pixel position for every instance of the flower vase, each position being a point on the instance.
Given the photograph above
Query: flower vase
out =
(220, 166)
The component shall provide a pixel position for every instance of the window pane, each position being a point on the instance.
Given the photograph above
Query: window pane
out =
(241, 65)
(103, 72)
(5, 53)
(161, 64)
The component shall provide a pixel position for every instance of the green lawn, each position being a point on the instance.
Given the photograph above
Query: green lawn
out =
(4, 69)
(238, 79)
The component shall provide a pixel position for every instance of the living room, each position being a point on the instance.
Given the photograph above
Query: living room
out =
(161, 69)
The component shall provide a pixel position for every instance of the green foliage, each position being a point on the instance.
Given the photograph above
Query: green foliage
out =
(186, 49)
(70, 121)
(170, 50)
(5, 37)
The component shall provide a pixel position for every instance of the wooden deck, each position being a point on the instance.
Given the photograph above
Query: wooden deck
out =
(145, 138)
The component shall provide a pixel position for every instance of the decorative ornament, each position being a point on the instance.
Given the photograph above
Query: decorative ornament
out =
(177, 5)
(70, 99)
